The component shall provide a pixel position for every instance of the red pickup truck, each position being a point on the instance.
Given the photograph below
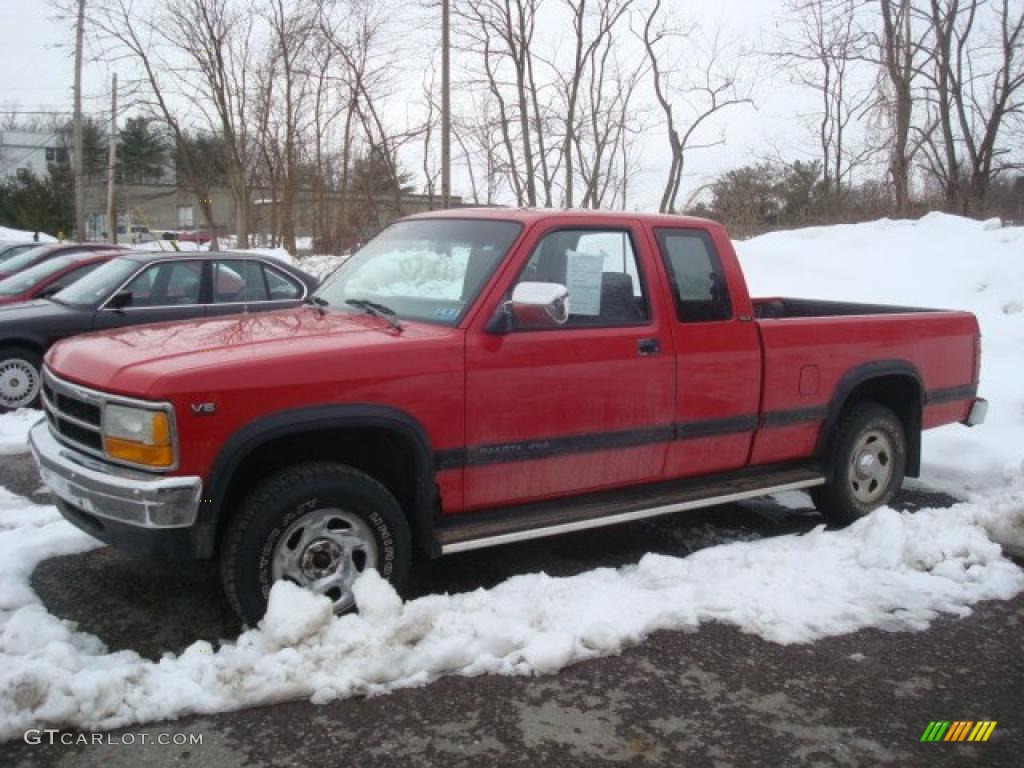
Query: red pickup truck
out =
(478, 377)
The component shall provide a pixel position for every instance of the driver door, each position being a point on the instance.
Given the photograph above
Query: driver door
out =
(578, 407)
(164, 291)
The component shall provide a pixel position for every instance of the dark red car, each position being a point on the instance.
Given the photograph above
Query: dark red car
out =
(474, 378)
(48, 277)
(195, 236)
(41, 253)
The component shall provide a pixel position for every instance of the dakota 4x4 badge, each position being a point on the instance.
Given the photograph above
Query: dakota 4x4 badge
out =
(958, 730)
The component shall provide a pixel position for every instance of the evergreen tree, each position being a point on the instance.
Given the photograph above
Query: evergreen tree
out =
(143, 152)
(34, 203)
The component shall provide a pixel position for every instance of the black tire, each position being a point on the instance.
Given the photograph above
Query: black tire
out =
(11, 382)
(282, 503)
(851, 493)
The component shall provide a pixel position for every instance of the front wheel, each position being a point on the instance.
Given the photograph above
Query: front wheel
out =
(20, 379)
(319, 525)
(867, 461)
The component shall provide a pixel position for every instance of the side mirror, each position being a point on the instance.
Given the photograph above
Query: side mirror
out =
(538, 305)
(120, 300)
(50, 290)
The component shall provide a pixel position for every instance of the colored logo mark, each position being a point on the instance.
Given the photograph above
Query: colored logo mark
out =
(958, 730)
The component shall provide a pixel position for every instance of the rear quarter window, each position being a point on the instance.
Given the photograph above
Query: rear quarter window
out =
(698, 284)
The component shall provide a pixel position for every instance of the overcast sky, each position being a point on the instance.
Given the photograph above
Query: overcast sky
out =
(36, 73)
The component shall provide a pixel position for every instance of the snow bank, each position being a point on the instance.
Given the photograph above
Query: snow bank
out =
(320, 265)
(14, 429)
(892, 570)
(21, 236)
(938, 261)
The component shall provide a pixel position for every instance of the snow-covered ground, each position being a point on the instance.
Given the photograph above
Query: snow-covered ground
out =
(892, 570)
(21, 236)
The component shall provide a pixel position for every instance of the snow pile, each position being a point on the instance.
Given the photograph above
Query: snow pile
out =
(891, 570)
(14, 429)
(320, 265)
(8, 235)
(939, 261)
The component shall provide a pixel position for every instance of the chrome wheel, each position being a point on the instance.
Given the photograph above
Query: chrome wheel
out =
(871, 466)
(19, 383)
(325, 551)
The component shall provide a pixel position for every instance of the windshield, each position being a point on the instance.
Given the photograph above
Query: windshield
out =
(426, 269)
(27, 279)
(8, 251)
(24, 259)
(95, 287)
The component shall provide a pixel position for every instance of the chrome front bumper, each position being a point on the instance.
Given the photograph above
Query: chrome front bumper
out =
(978, 412)
(110, 492)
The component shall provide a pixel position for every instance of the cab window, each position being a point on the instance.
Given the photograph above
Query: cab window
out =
(599, 268)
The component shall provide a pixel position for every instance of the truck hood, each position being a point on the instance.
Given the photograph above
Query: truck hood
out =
(131, 360)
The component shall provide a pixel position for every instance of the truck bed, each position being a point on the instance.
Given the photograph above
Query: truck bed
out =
(782, 308)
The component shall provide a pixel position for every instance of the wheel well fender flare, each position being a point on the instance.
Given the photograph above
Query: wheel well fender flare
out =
(862, 374)
(240, 445)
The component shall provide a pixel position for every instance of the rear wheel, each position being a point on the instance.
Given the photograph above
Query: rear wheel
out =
(319, 525)
(867, 460)
(20, 378)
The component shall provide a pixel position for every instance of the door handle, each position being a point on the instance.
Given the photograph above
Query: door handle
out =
(648, 347)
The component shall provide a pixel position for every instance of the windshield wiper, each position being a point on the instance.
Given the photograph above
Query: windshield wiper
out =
(319, 303)
(384, 312)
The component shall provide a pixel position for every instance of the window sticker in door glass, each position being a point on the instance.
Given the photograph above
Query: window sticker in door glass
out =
(583, 279)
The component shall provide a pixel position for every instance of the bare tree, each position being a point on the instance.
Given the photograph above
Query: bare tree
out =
(978, 82)
(610, 124)
(709, 86)
(899, 51)
(140, 40)
(821, 49)
(215, 37)
(586, 43)
(499, 37)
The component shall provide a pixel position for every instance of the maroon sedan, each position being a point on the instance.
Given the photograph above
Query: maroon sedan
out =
(49, 277)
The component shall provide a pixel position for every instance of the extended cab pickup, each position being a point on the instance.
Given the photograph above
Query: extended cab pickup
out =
(478, 377)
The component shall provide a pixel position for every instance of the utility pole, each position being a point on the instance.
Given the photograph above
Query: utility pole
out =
(77, 160)
(112, 162)
(446, 106)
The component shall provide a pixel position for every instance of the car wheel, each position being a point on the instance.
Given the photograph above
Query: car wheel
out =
(20, 378)
(867, 461)
(319, 525)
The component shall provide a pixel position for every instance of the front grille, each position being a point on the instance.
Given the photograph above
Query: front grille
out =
(73, 415)
(84, 412)
(79, 434)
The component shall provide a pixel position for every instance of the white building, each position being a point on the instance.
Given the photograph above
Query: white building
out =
(25, 150)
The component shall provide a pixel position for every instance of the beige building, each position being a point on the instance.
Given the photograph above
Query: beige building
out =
(167, 207)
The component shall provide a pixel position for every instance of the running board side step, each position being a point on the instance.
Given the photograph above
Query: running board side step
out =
(596, 510)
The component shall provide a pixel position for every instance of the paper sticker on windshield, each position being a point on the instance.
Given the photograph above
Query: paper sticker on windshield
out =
(583, 279)
(446, 313)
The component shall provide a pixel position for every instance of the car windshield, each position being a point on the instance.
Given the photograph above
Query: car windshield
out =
(425, 269)
(27, 279)
(10, 250)
(95, 287)
(24, 259)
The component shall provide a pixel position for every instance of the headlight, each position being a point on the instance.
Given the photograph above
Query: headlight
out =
(137, 435)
